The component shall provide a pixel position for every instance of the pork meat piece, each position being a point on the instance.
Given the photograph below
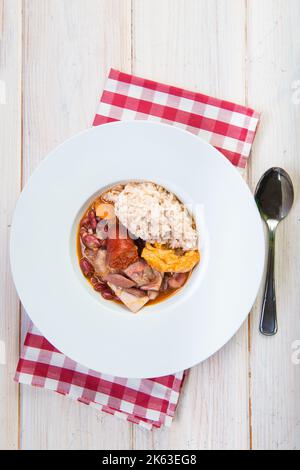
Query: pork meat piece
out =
(136, 292)
(131, 301)
(119, 280)
(155, 284)
(121, 249)
(152, 294)
(99, 261)
(140, 272)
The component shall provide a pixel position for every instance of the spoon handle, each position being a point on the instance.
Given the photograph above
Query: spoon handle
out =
(268, 320)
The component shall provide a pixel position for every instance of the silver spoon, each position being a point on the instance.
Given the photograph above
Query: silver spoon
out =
(274, 197)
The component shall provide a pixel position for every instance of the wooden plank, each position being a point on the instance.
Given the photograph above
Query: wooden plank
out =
(1, 17)
(273, 79)
(200, 45)
(69, 47)
(10, 171)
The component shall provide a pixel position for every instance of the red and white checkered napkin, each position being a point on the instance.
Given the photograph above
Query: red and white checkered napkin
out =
(147, 402)
(231, 129)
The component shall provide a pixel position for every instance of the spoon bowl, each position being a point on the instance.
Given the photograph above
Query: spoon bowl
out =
(274, 195)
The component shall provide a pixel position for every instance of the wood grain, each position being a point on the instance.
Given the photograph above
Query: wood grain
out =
(273, 69)
(1, 17)
(54, 57)
(10, 171)
(192, 43)
(69, 47)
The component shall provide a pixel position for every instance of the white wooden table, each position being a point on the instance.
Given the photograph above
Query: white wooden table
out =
(54, 57)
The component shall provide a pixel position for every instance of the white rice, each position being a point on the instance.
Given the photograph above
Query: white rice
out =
(154, 214)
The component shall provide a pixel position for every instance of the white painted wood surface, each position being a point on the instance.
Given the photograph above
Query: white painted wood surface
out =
(54, 56)
(10, 185)
(273, 71)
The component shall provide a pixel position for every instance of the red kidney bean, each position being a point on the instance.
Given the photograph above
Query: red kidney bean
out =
(85, 223)
(86, 267)
(90, 241)
(83, 231)
(99, 287)
(92, 219)
(108, 294)
(95, 281)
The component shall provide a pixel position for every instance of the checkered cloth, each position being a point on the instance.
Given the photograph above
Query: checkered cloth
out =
(231, 129)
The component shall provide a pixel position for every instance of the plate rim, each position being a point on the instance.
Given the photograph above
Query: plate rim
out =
(143, 123)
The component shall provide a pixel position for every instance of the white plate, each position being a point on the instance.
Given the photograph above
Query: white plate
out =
(163, 338)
